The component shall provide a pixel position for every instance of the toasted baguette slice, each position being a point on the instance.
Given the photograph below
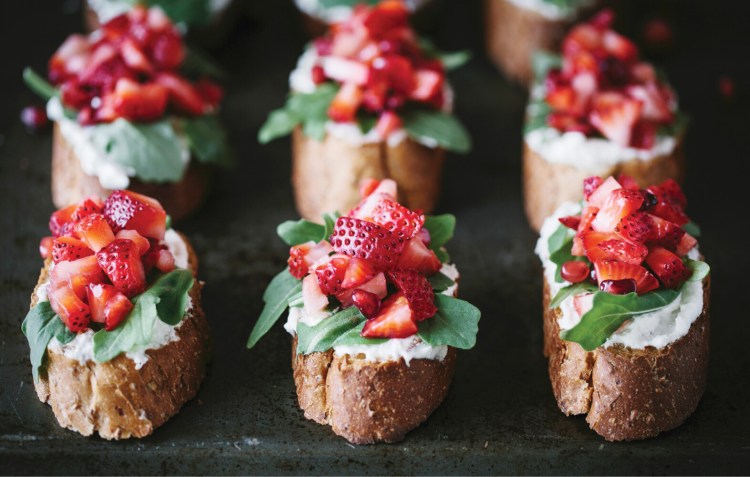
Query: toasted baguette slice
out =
(514, 33)
(546, 185)
(114, 398)
(629, 394)
(326, 174)
(367, 402)
(70, 184)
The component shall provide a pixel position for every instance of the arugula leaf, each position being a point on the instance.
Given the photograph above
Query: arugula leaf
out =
(559, 245)
(308, 109)
(450, 60)
(322, 336)
(440, 282)
(610, 311)
(700, 269)
(542, 62)
(276, 298)
(345, 3)
(40, 326)
(152, 150)
(571, 290)
(172, 289)
(189, 12)
(441, 228)
(366, 121)
(438, 126)
(692, 228)
(301, 231)
(207, 139)
(38, 84)
(353, 337)
(279, 123)
(330, 222)
(455, 324)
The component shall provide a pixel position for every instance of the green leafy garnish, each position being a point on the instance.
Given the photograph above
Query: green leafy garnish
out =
(353, 337)
(450, 60)
(207, 139)
(610, 311)
(559, 246)
(700, 269)
(39, 85)
(455, 324)
(40, 326)
(692, 228)
(571, 290)
(276, 298)
(433, 125)
(441, 229)
(164, 300)
(440, 282)
(308, 109)
(321, 337)
(345, 3)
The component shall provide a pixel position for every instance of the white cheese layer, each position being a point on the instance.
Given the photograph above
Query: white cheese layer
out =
(81, 348)
(392, 350)
(656, 329)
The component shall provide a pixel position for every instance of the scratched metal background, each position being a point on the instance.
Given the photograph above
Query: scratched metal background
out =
(499, 416)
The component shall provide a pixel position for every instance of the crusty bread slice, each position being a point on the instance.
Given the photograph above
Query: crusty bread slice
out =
(114, 398)
(326, 174)
(70, 184)
(629, 394)
(367, 402)
(546, 185)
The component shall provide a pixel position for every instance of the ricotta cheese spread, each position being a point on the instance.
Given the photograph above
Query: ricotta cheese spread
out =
(300, 81)
(657, 329)
(393, 349)
(81, 348)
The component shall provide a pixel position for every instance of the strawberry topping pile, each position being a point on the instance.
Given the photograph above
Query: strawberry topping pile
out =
(128, 69)
(102, 254)
(604, 89)
(379, 245)
(377, 60)
(631, 237)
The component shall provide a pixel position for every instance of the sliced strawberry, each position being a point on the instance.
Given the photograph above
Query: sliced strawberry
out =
(655, 107)
(395, 320)
(61, 221)
(131, 53)
(571, 221)
(619, 46)
(614, 270)
(77, 275)
(388, 122)
(638, 227)
(140, 241)
(686, 244)
(672, 189)
(584, 227)
(583, 37)
(666, 205)
(45, 246)
(667, 267)
(618, 287)
(313, 297)
(97, 295)
(298, 268)
(666, 233)
(619, 204)
(139, 102)
(583, 303)
(358, 272)
(384, 189)
(346, 71)
(68, 249)
(368, 186)
(116, 310)
(417, 290)
(376, 285)
(403, 222)
(386, 16)
(167, 51)
(428, 84)
(416, 256)
(367, 302)
(94, 231)
(182, 95)
(398, 71)
(614, 115)
(344, 106)
(105, 74)
(92, 205)
(601, 193)
(562, 98)
(121, 261)
(165, 261)
(70, 308)
(628, 182)
(607, 246)
(331, 275)
(358, 238)
(128, 210)
(591, 184)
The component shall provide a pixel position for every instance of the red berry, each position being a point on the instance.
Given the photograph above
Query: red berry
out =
(34, 118)
(121, 261)
(68, 249)
(94, 231)
(590, 184)
(362, 239)
(571, 221)
(416, 256)
(88, 206)
(574, 271)
(667, 267)
(70, 308)
(331, 275)
(367, 302)
(618, 287)
(613, 271)
(394, 320)
(607, 246)
(128, 210)
(417, 290)
(404, 223)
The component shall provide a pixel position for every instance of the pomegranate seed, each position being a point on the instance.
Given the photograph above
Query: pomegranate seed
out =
(574, 271)
(34, 118)
(618, 287)
(367, 302)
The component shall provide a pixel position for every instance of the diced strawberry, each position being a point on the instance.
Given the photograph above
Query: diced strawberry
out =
(298, 267)
(386, 16)
(584, 227)
(92, 205)
(182, 95)
(620, 203)
(584, 84)
(77, 275)
(666, 205)
(331, 275)
(368, 186)
(666, 233)
(94, 231)
(686, 244)
(167, 51)
(388, 122)
(619, 46)
(603, 20)
(97, 295)
(583, 37)
(428, 84)
(567, 122)
(165, 261)
(139, 102)
(116, 310)
(358, 272)
(73, 95)
(105, 69)
(600, 195)
(416, 256)
(61, 221)
(121, 261)
(127, 210)
(315, 301)
(628, 182)
(59, 64)
(672, 189)
(344, 106)
(134, 57)
(643, 72)
(616, 270)
(157, 20)
(637, 227)
(376, 285)
(70, 308)
(667, 267)
(67, 249)
(561, 99)
(417, 290)
(403, 222)
(140, 241)
(395, 320)
(590, 184)
(358, 238)
(571, 221)
(375, 96)
(346, 71)
(45, 246)
(386, 190)
(607, 246)
(583, 303)
(211, 92)
(614, 115)
(368, 303)
(655, 107)
(399, 72)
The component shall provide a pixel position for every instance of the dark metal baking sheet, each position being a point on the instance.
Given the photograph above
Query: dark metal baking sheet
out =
(499, 416)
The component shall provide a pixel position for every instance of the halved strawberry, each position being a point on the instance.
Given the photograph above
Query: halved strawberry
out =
(403, 222)
(344, 106)
(686, 244)
(77, 275)
(367, 302)
(614, 115)
(668, 267)
(139, 102)
(67, 249)
(331, 275)
(362, 239)
(61, 221)
(121, 261)
(428, 84)
(417, 290)
(182, 95)
(608, 246)
(620, 203)
(94, 231)
(97, 295)
(127, 210)
(638, 227)
(616, 270)
(70, 308)
(416, 256)
(116, 310)
(599, 196)
(92, 205)
(141, 242)
(395, 320)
